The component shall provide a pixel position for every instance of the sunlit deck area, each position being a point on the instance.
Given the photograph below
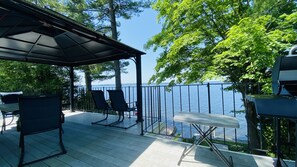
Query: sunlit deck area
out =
(93, 145)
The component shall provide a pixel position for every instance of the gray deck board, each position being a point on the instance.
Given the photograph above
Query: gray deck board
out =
(94, 146)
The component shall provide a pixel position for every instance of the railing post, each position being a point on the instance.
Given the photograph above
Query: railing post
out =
(159, 104)
(223, 108)
(234, 108)
(208, 96)
(209, 103)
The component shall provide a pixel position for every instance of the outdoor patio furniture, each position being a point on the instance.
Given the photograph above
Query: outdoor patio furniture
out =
(283, 103)
(212, 121)
(119, 104)
(9, 99)
(100, 104)
(37, 115)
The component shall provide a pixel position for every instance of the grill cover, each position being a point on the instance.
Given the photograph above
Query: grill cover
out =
(284, 74)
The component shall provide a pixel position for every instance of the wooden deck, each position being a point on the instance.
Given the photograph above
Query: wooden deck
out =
(94, 146)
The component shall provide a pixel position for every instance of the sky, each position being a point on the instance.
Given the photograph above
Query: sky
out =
(135, 33)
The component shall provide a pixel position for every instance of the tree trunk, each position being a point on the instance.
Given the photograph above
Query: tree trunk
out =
(251, 118)
(114, 32)
(88, 79)
(252, 121)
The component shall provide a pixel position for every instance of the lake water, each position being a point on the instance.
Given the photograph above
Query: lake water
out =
(162, 103)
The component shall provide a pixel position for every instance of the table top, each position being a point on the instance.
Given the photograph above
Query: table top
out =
(217, 120)
(9, 107)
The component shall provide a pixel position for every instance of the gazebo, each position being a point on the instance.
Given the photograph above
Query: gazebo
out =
(32, 34)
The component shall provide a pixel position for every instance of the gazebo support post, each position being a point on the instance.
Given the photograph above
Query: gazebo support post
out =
(71, 94)
(139, 91)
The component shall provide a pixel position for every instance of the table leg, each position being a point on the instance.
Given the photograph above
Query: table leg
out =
(214, 147)
(203, 136)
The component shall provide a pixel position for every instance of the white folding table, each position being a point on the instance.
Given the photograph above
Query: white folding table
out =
(212, 121)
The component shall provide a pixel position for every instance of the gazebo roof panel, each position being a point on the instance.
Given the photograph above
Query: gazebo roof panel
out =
(33, 34)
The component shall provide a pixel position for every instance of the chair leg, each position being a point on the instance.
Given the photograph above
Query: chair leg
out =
(22, 146)
(3, 124)
(115, 122)
(97, 122)
(123, 116)
(122, 120)
(11, 120)
(61, 141)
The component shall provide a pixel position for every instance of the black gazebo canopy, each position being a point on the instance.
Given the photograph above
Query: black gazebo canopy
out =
(32, 34)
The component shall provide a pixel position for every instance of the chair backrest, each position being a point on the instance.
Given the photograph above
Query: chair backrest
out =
(40, 114)
(117, 100)
(10, 98)
(99, 99)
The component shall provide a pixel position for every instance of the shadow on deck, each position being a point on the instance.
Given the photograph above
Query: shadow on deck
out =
(93, 145)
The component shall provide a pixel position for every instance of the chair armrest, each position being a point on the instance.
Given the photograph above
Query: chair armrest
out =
(132, 104)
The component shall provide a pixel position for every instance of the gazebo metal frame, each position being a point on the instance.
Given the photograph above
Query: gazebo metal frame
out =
(39, 35)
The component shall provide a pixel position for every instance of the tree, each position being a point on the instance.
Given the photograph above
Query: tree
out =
(249, 51)
(234, 40)
(79, 11)
(191, 29)
(33, 78)
(101, 15)
(108, 11)
(55, 5)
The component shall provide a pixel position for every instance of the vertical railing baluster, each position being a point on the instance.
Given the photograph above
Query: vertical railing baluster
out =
(208, 96)
(209, 103)
(189, 103)
(159, 103)
(147, 108)
(172, 104)
(157, 109)
(223, 108)
(165, 110)
(129, 97)
(144, 108)
(180, 99)
(198, 98)
(181, 108)
(151, 107)
(234, 109)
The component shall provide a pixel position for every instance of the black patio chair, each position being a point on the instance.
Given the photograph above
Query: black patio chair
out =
(100, 104)
(119, 104)
(8, 99)
(37, 115)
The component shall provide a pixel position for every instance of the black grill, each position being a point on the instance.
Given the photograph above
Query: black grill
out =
(283, 104)
(284, 74)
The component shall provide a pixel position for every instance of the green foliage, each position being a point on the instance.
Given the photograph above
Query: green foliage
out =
(191, 29)
(232, 146)
(235, 41)
(101, 15)
(123, 9)
(251, 47)
(288, 138)
(55, 5)
(33, 78)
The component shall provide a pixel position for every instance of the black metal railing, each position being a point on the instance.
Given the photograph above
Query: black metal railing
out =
(161, 103)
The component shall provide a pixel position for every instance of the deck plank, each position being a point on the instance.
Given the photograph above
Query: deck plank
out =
(93, 145)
